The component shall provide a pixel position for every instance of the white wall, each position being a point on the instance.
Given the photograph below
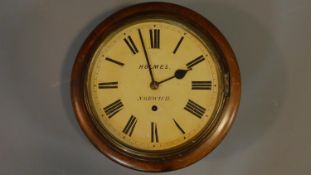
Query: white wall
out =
(38, 43)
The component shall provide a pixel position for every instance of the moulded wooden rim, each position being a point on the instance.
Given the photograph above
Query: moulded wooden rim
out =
(113, 22)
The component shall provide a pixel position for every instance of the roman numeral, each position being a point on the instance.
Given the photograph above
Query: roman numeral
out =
(154, 38)
(129, 127)
(108, 85)
(130, 43)
(194, 109)
(113, 108)
(114, 61)
(195, 61)
(201, 85)
(154, 133)
(178, 44)
(179, 127)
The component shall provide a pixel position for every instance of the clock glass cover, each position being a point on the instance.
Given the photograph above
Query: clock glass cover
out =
(154, 84)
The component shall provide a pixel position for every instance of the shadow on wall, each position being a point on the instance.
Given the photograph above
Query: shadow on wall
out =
(107, 166)
(263, 74)
(69, 61)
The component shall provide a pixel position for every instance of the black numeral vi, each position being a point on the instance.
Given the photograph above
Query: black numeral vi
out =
(154, 133)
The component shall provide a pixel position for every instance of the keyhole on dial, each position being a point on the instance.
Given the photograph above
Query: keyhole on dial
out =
(154, 108)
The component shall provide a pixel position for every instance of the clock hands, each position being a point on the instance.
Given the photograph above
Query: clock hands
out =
(153, 84)
(179, 74)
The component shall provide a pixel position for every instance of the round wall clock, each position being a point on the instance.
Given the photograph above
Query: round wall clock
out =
(155, 87)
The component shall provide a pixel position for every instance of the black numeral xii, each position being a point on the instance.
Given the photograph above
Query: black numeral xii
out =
(154, 38)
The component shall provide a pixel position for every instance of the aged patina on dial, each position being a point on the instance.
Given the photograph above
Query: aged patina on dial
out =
(132, 100)
(151, 89)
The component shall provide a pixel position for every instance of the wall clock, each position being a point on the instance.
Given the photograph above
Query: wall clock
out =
(155, 87)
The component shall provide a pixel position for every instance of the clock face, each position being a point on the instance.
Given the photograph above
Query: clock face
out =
(154, 85)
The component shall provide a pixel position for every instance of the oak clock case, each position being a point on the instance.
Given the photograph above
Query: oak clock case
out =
(155, 87)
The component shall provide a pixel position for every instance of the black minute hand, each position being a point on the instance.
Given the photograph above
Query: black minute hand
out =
(153, 84)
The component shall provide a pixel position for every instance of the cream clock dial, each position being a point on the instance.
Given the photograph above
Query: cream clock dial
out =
(164, 111)
(155, 87)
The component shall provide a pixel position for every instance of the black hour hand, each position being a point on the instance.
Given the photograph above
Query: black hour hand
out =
(179, 74)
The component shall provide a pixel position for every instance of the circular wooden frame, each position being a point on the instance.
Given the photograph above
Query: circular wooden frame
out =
(226, 117)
